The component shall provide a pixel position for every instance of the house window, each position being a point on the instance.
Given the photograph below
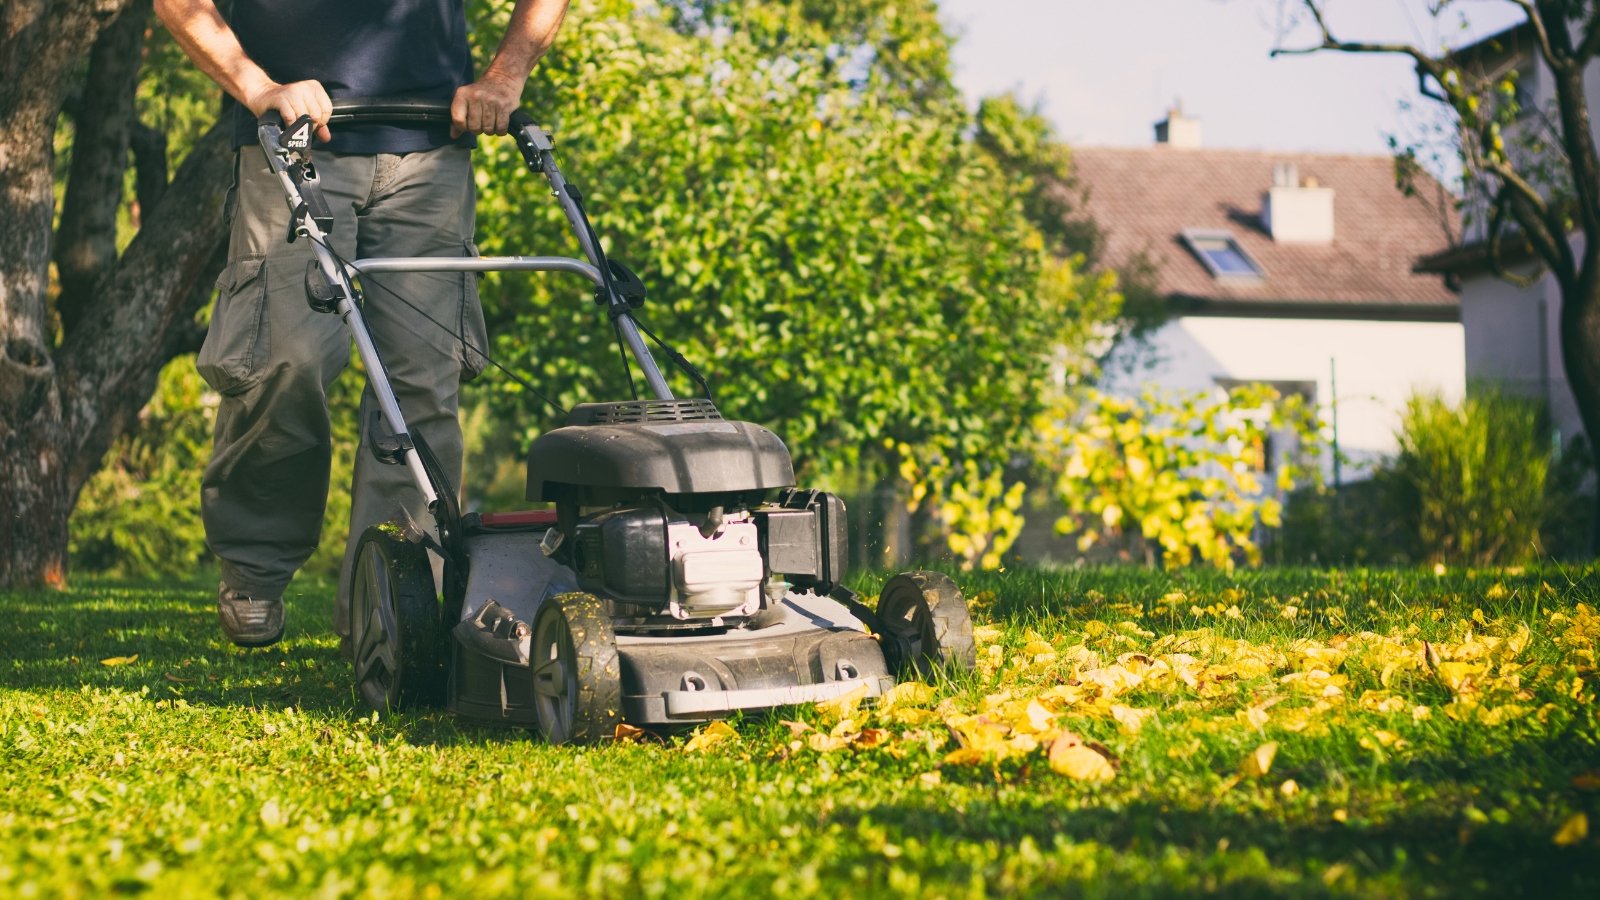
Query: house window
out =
(1221, 254)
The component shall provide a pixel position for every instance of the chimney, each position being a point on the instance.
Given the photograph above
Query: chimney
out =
(1295, 211)
(1176, 130)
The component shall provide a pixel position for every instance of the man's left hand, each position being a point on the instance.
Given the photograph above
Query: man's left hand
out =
(484, 106)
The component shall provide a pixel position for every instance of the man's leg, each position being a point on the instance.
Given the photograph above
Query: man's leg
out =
(272, 358)
(422, 204)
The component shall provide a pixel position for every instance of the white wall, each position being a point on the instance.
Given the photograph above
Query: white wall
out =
(1378, 365)
(1513, 339)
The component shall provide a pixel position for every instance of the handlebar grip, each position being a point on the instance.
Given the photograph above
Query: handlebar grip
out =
(393, 110)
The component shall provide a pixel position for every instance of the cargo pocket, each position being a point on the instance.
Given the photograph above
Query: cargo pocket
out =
(474, 334)
(236, 345)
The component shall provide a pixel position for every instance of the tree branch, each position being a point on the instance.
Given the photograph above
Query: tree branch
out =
(86, 243)
(1577, 140)
(1497, 223)
(149, 147)
(1589, 48)
(1542, 35)
(108, 365)
(1539, 221)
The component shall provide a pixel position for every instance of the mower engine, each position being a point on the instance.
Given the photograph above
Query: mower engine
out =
(651, 561)
(640, 558)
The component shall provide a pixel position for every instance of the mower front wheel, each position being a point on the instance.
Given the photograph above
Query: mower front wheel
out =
(926, 625)
(394, 624)
(577, 675)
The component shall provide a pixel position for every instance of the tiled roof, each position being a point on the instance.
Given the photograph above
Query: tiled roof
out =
(1144, 198)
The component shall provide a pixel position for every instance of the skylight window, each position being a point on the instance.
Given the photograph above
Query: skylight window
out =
(1222, 255)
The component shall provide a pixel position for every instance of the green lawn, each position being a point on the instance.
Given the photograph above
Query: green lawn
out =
(1274, 733)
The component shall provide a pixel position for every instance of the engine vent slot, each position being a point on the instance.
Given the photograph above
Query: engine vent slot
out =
(644, 412)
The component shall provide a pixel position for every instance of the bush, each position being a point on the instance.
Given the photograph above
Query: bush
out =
(1470, 480)
(1195, 476)
(139, 516)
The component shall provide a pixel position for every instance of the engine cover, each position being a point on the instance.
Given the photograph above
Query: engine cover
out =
(612, 451)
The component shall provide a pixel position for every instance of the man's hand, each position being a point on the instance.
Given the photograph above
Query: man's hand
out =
(484, 106)
(293, 100)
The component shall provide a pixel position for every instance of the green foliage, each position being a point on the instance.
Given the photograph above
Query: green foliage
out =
(1359, 523)
(798, 186)
(975, 510)
(1194, 476)
(189, 768)
(795, 184)
(140, 514)
(1472, 477)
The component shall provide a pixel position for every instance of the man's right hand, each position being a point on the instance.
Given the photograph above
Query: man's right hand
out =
(293, 100)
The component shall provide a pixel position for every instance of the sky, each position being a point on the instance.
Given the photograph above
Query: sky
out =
(1104, 71)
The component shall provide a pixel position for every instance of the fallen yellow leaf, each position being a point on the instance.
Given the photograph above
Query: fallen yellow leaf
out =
(1573, 830)
(630, 734)
(963, 756)
(1130, 718)
(906, 693)
(710, 736)
(119, 660)
(1259, 762)
(827, 743)
(1457, 676)
(1070, 758)
(871, 737)
(844, 705)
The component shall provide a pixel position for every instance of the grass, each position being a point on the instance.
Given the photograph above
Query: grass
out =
(199, 769)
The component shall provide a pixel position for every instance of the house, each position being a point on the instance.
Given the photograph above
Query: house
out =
(1512, 330)
(1293, 269)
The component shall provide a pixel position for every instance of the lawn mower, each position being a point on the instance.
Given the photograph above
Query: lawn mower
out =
(674, 573)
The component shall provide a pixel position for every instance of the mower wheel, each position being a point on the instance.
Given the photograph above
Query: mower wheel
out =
(395, 626)
(577, 675)
(926, 625)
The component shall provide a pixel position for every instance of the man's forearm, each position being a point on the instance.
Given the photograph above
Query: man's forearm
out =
(207, 40)
(532, 30)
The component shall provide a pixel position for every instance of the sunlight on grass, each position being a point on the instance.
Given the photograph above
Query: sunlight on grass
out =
(1127, 733)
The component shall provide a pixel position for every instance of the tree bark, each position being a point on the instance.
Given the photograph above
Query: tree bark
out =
(103, 120)
(62, 403)
(1580, 359)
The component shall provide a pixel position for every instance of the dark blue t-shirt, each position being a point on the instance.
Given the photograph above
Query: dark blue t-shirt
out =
(358, 48)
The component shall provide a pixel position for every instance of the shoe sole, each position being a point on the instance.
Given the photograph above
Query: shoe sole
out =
(253, 644)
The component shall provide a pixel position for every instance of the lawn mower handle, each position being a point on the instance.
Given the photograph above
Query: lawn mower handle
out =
(536, 148)
(289, 157)
(392, 109)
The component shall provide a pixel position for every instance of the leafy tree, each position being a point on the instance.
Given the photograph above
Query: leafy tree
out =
(80, 351)
(797, 183)
(799, 186)
(1537, 171)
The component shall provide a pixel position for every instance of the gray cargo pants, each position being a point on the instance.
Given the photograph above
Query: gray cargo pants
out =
(272, 358)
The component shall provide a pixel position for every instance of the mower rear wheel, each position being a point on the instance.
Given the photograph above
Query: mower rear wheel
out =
(395, 628)
(577, 675)
(926, 625)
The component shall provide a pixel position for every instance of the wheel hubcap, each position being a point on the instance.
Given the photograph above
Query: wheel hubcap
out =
(555, 677)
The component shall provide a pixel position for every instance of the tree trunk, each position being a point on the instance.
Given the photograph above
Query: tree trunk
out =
(1580, 358)
(63, 402)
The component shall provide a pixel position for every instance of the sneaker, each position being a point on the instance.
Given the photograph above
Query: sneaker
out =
(249, 621)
